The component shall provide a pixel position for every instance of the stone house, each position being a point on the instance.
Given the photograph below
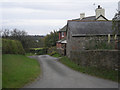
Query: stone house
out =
(86, 33)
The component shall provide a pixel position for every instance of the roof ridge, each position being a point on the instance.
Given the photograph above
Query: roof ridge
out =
(90, 20)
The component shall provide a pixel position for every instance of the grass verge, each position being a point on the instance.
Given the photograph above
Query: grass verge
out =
(18, 70)
(29, 54)
(56, 55)
(102, 73)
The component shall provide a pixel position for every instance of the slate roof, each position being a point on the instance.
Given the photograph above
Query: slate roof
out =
(63, 29)
(62, 41)
(83, 28)
(102, 17)
(91, 18)
(87, 18)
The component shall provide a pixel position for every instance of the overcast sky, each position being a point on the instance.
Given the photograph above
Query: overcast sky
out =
(39, 17)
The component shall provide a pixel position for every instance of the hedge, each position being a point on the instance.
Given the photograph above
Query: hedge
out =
(39, 51)
(12, 47)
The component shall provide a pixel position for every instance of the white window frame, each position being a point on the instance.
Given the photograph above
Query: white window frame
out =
(62, 34)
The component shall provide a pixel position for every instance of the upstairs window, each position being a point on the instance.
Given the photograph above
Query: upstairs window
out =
(62, 34)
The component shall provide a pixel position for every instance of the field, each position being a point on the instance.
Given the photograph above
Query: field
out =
(36, 48)
(18, 70)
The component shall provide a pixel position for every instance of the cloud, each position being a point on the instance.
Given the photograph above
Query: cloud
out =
(42, 16)
(58, 1)
(34, 22)
(34, 26)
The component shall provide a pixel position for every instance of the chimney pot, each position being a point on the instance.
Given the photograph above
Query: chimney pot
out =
(99, 7)
(82, 15)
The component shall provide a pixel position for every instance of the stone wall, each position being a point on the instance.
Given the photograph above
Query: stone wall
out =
(107, 59)
(90, 43)
(60, 51)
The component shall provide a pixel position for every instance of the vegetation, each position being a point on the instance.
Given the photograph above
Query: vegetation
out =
(38, 51)
(101, 44)
(103, 73)
(12, 47)
(27, 41)
(50, 39)
(104, 45)
(116, 24)
(36, 48)
(18, 70)
(29, 54)
(55, 54)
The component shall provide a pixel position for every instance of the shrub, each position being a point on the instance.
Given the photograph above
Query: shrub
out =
(53, 53)
(12, 47)
(52, 50)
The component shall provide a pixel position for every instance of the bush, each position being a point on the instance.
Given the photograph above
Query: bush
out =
(12, 47)
(52, 50)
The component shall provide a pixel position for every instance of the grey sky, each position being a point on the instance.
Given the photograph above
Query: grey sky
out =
(42, 16)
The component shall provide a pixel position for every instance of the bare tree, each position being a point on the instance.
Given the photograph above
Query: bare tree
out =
(6, 33)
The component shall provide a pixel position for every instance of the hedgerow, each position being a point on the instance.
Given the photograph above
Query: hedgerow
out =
(12, 47)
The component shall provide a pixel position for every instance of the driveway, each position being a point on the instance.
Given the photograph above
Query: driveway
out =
(57, 75)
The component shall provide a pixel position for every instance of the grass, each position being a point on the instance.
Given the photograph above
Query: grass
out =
(56, 55)
(102, 73)
(36, 48)
(29, 54)
(18, 70)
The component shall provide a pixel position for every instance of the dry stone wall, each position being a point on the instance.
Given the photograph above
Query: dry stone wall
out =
(108, 59)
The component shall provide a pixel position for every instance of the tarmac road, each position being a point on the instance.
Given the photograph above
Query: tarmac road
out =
(57, 75)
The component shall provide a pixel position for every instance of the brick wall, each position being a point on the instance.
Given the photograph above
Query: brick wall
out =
(60, 35)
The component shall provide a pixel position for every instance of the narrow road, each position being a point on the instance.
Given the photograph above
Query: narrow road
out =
(57, 75)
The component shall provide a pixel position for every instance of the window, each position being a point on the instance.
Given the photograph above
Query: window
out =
(62, 34)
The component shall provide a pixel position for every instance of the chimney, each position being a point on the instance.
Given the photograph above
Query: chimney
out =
(100, 11)
(119, 6)
(82, 15)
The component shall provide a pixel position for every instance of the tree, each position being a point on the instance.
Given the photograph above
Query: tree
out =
(6, 33)
(50, 39)
(116, 27)
(116, 23)
(19, 35)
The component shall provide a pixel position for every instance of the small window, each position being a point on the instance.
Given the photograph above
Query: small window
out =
(62, 34)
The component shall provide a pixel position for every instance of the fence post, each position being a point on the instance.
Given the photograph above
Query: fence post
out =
(109, 38)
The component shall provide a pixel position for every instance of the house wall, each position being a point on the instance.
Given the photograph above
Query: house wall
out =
(89, 43)
(60, 35)
(61, 48)
(58, 45)
(85, 51)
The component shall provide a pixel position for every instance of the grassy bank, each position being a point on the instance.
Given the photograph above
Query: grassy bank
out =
(102, 73)
(29, 54)
(55, 55)
(18, 70)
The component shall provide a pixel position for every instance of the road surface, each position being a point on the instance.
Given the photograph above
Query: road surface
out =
(57, 75)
